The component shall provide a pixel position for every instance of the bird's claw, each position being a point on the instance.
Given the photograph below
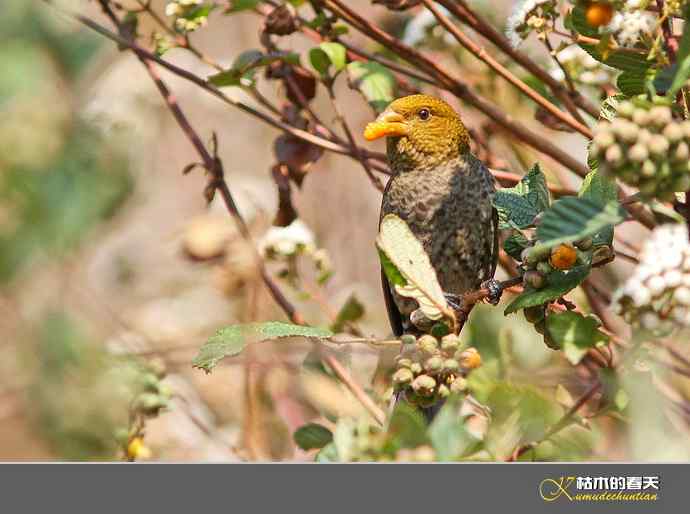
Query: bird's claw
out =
(459, 306)
(495, 290)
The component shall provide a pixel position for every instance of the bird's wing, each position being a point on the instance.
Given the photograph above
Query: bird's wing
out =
(394, 316)
(493, 241)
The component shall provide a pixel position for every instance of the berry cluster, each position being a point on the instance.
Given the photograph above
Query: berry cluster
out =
(645, 148)
(429, 369)
(539, 261)
(657, 296)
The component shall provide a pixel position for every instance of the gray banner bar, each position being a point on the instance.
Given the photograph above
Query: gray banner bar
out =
(351, 488)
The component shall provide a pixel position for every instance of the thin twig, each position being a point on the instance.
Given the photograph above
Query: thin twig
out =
(481, 54)
(458, 88)
(214, 166)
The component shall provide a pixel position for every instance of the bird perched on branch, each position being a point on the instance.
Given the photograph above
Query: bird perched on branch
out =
(444, 193)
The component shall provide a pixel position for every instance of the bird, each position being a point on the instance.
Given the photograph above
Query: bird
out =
(444, 193)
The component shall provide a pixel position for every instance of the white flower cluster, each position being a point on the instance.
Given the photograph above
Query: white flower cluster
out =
(530, 16)
(646, 148)
(631, 24)
(582, 67)
(657, 296)
(288, 241)
(187, 14)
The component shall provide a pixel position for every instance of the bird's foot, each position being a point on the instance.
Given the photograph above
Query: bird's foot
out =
(495, 290)
(459, 306)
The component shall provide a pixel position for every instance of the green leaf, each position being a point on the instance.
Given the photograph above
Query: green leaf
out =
(336, 54)
(622, 60)
(681, 71)
(517, 206)
(601, 190)
(231, 340)
(405, 251)
(632, 83)
(574, 333)
(514, 244)
(558, 283)
(245, 65)
(574, 218)
(328, 453)
(352, 311)
(312, 435)
(407, 426)
(319, 60)
(241, 5)
(449, 435)
(374, 81)
(526, 406)
(395, 278)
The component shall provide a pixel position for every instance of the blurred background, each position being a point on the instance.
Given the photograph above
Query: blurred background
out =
(113, 269)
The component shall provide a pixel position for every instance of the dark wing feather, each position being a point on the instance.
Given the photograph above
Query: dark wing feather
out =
(394, 316)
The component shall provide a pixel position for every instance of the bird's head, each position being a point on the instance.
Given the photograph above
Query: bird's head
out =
(422, 132)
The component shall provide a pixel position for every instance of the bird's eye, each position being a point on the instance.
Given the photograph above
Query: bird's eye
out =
(424, 114)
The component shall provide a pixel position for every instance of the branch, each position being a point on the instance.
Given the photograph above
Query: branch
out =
(215, 167)
(464, 13)
(457, 87)
(482, 55)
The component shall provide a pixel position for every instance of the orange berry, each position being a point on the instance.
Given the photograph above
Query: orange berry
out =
(598, 14)
(563, 257)
(470, 359)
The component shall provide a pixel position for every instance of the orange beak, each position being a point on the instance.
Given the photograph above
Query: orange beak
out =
(388, 123)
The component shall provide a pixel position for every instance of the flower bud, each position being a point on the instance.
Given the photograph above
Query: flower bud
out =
(681, 153)
(416, 368)
(614, 155)
(638, 152)
(603, 139)
(544, 268)
(433, 365)
(682, 295)
(625, 109)
(648, 168)
(427, 344)
(408, 339)
(424, 385)
(584, 244)
(660, 115)
(640, 117)
(673, 132)
(404, 363)
(402, 377)
(658, 145)
(450, 365)
(459, 385)
(443, 391)
(450, 343)
(534, 279)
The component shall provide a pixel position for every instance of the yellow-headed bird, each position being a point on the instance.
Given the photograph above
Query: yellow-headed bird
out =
(444, 193)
